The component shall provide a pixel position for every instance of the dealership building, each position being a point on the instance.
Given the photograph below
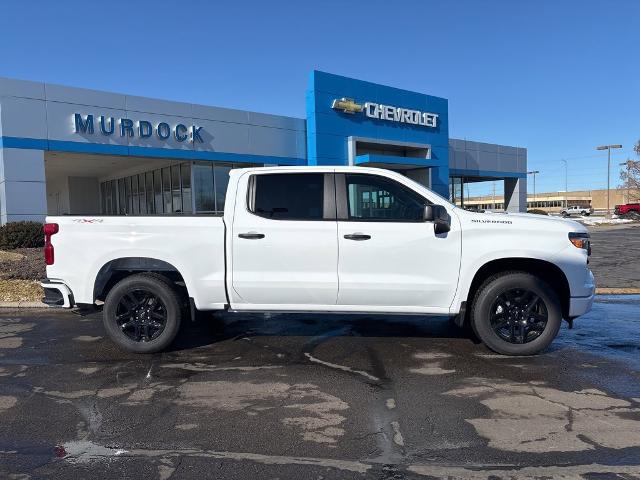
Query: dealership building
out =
(67, 150)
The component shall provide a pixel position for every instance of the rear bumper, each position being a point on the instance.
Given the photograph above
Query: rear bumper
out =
(581, 305)
(56, 294)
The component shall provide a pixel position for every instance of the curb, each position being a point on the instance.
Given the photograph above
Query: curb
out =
(23, 304)
(617, 291)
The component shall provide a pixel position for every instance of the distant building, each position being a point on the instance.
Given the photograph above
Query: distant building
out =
(554, 202)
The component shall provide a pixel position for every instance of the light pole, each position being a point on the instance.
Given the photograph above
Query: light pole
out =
(608, 149)
(566, 181)
(494, 196)
(534, 173)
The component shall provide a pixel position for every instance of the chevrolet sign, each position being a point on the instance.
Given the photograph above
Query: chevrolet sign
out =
(387, 112)
(347, 105)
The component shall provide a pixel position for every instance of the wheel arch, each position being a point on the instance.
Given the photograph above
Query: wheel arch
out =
(547, 271)
(115, 270)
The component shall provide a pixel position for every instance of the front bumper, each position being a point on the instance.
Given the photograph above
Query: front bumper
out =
(56, 294)
(581, 305)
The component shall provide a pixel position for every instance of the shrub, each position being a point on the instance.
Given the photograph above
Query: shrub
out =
(21, 235)
(537, 211)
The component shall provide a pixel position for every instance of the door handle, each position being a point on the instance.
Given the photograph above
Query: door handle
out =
(358, 237)
(251, 235)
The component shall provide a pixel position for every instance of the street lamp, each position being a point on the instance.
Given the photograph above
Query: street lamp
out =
(608, 149)
(534, 173)
(566, 182)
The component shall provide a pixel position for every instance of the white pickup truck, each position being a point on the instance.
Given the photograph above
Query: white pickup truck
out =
(576, 210)
(324, 239)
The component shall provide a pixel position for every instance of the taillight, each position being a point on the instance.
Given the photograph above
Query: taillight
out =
(49, 229)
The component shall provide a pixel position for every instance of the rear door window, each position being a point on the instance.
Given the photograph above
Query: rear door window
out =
(288, 196)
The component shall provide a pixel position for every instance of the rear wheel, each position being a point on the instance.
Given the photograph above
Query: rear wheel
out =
(142, 313)
(516, 313)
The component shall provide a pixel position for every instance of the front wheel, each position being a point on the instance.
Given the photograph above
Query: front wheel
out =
(516, 313)
(142, 313)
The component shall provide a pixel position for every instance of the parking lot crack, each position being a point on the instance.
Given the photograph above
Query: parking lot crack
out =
(342, 368)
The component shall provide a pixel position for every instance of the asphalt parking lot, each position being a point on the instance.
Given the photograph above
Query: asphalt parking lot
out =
(615, 260)
(308, 396)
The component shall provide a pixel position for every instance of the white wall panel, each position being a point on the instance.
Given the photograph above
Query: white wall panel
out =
(83, 96)
(11, 87)
(23, 117)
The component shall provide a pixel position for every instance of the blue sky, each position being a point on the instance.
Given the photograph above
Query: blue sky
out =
(557, 77)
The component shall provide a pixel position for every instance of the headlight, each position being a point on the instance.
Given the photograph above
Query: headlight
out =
(581, 240)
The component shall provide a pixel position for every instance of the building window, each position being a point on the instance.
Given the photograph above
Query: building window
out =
(113, 197)
(204, 188)
(149, 192)
(168, 190)
(157, 191)
(176, 197)
(221, 175)
(185, 178)
(122, 199)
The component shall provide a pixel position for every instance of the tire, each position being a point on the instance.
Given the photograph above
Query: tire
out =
(565, 214)
(503, 300)
(586, 214)
(142, 313)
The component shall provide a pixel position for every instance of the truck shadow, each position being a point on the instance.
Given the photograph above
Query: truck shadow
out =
(214, 328)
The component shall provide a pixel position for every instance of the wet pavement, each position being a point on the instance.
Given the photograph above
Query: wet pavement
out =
(310, 396)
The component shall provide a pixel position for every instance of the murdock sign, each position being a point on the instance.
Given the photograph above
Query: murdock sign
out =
(125, 127)
(387, 112)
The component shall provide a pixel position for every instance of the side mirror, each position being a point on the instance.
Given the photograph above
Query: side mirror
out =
(439, 216)
(428, 213)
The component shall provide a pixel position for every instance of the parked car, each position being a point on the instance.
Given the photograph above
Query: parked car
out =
(324, 239)
(628, 210)
(576, 210)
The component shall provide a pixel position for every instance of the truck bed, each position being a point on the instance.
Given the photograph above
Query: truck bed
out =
(191, 244)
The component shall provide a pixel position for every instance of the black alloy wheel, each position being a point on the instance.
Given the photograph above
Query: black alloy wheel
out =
(518, 316)
(516, 313)
(141, 315)
(142, 312)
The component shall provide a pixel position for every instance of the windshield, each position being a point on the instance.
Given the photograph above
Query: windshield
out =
(430, 192)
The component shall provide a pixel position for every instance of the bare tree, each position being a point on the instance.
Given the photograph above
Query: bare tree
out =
(630, 177)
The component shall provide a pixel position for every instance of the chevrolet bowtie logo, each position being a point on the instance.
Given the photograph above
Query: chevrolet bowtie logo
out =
(347, 105)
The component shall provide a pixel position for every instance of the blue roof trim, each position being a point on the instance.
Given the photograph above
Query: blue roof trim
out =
(392, 160)
(66, 146)
(29, 143)
(485, 173)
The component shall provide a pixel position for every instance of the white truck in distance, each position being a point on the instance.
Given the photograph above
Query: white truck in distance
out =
(324, 239)
(576, 210)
